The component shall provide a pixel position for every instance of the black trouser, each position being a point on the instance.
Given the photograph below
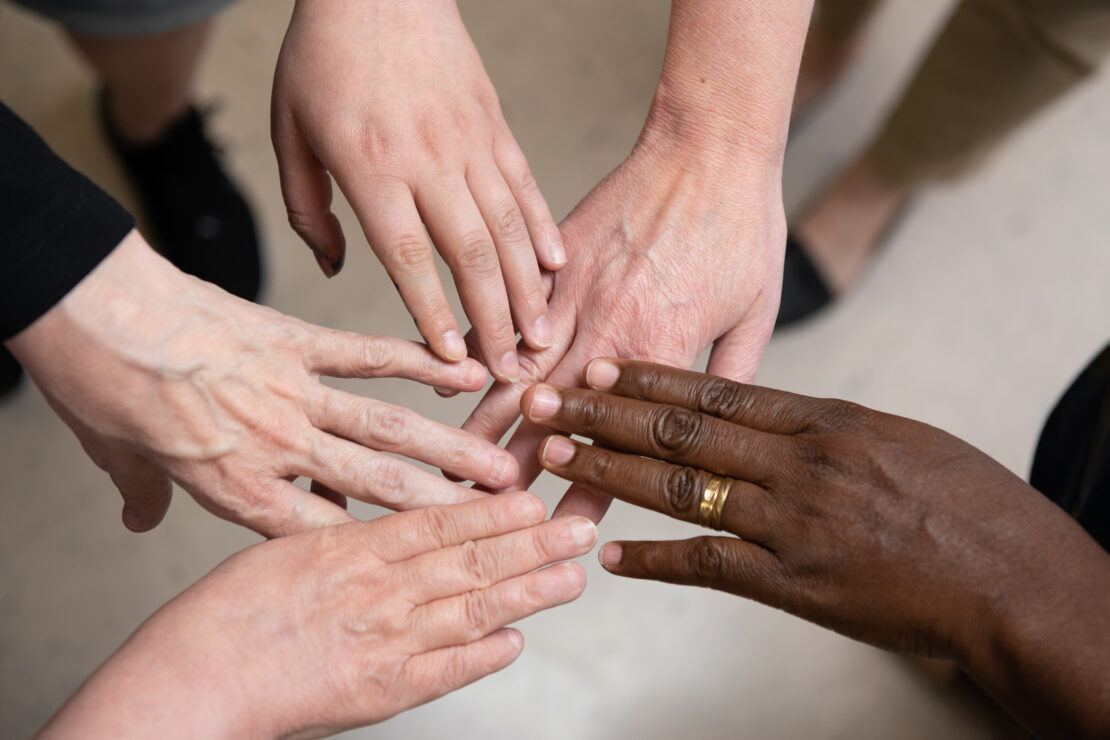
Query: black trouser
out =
(1072, 464)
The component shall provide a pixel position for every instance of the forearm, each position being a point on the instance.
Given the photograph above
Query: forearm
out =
(728, 77)
(1046, 660)
(160, 683)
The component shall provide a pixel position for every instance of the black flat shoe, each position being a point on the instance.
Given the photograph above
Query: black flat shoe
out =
(11, 373)
(804, 291)
(198, 218)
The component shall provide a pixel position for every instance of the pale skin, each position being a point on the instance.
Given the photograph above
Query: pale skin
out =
(337, 628)
(679, 248)
(392, 102)
(165, 377)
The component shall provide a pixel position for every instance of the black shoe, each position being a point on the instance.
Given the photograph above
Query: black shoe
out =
(804, 291)
(198, 217)
(11, 373)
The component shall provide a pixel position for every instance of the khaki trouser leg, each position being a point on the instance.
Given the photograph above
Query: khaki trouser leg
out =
(840, 19)
(995, 65)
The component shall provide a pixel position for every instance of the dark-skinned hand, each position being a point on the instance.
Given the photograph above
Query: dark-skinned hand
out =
(884, 529)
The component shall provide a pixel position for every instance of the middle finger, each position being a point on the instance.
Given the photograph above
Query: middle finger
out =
(657, 430)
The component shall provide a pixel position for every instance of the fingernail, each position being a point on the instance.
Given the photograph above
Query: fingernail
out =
(602, 375)
(558, 253)
(581, 532)
(510, 366)
(516, 638)
(610, 555)
(476, 375)
(558, 451)
(545, 335)
(545, 403)
(454, 345)
(326, 265)
(445, 392)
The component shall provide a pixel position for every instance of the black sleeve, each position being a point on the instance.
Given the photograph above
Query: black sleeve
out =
(55, 226)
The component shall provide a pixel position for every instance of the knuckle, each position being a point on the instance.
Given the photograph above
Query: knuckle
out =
(472, 564)
(676, 431)
(510, 224)
(476, 613)
(374, 356)
(525, 180)
(438, 526)
(708, 560)
(598, 468)
(409, 254)
(531, 371)
(817, 460)
(390, 425)
(839, 414)
(681, 489)
(720, 397)
(589, 411)
(477, 257)
(455, 670)
(390, 480)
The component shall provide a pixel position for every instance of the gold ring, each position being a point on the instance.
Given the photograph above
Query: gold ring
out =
(712, 503)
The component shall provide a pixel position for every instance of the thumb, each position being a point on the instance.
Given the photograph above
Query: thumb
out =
(306, 189)
(146, 492)
(736, 355)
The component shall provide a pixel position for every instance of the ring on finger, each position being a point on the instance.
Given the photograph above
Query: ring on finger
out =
(712, 503)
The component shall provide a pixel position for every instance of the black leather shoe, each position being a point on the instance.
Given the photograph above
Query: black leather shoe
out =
(198, 218)
(11, 373)
(804, 291)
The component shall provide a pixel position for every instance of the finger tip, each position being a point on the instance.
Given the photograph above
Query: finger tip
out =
(515, 638)
(532, 508)
(556, 450)
(610, 555)
(602, 373)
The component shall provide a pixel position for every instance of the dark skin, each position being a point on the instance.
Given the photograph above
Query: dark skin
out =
(882, 528)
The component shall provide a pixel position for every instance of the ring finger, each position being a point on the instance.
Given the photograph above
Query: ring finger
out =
(673, 490)
(388, 428)
(475, 614)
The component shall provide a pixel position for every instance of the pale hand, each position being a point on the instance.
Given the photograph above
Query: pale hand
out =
(163, 376)
(344, 626)
(391, 99)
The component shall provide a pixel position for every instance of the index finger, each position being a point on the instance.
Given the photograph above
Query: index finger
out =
(748, 405)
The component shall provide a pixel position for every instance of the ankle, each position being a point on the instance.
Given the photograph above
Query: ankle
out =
(846, 224)
(145, 123)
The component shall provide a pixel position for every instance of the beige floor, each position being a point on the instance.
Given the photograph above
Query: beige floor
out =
(990, 297)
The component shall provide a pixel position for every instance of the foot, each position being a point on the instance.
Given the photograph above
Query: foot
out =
(198, 217)
(832, 244)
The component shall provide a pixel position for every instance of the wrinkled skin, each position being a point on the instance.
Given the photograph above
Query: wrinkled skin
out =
(885, 529)
(162, 376)
(339, 627)
(666, 260)
(392, 100)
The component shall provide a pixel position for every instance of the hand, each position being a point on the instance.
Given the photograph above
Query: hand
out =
(391, 99)
(882, 528)
(339, 627)
(668, 256)
(163, 376)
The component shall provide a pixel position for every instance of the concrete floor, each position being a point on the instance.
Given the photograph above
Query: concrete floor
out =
(988, 299)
